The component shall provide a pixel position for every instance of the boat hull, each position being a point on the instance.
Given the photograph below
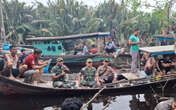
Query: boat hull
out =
(10, 87)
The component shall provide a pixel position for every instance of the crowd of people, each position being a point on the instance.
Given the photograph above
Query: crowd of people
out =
(160, 65)
(153, 65)
(30, 67)
(109, 48)
(17, 65)
(89, 76)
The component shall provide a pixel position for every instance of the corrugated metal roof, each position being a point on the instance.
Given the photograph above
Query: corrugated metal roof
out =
(71, 37)
(159, 49)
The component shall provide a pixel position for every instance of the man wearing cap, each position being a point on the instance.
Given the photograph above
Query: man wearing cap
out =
(87, 75)
(110, 46)
(60, 70)
(134, 43)
(105, 73)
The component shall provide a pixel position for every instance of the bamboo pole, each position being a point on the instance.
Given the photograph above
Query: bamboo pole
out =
(109, 102)
(94, 97)
(106, 106)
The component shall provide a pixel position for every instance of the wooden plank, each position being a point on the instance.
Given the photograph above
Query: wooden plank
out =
(48, 84)
(131, 76)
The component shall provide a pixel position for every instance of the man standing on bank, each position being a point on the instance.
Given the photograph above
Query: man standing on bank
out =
(134, 43)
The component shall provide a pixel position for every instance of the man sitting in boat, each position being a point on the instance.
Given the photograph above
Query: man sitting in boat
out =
(150, 65)
(105, 73)
(60, 70)
(93, 50)
(110, 46)
(87, 75)
(22, 56)
(34, 66)
(12, 62)
(166, 65)
(85, 49)
(153, 43)
(144, 58)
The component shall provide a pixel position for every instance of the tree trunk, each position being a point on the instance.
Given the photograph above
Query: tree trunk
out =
(2, 32)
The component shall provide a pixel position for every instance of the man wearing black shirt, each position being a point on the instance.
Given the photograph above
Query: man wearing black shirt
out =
(166, 64)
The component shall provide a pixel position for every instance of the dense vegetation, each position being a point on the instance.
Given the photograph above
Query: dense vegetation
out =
(65, 17)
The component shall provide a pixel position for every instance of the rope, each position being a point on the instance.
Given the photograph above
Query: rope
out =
(154, 93)
(164, 87)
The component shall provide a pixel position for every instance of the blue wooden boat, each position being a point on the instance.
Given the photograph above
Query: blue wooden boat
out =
(53, 47)
(165, 39)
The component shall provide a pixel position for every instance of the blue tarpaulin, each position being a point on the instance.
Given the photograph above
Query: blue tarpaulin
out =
(6, 46)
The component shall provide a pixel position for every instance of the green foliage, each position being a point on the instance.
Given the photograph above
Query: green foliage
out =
(65, 17)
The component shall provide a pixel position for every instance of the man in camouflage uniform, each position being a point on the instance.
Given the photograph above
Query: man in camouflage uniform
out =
(60, 70)
(87, 75)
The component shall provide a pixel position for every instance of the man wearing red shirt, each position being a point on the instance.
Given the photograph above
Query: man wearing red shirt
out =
(34, 66)
(94, 50)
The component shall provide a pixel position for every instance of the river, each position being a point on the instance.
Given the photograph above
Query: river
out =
(52, 102)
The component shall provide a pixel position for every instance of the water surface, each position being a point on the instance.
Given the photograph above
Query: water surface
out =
(53, 102)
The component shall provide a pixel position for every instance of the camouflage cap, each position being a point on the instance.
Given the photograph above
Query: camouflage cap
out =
(59, 59)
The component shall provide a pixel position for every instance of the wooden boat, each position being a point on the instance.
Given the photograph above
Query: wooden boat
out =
(53, 47)
(135, 86)
(165, 39)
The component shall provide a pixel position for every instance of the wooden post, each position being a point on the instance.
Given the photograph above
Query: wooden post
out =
(98, 45)
(139, 60)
